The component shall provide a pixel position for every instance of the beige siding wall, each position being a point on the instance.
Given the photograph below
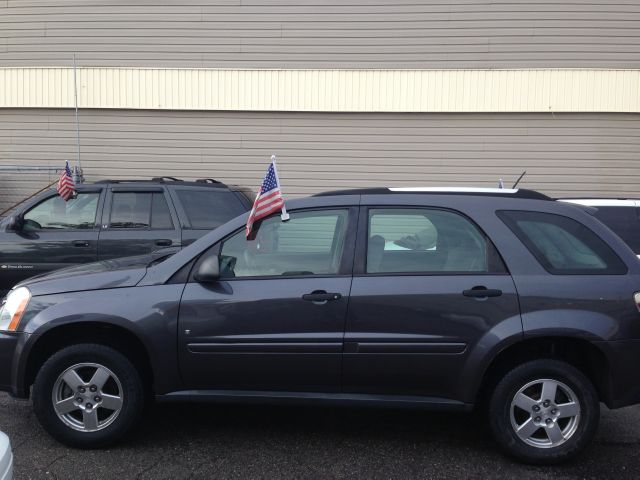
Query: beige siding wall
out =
(322, 33)
(564, 154)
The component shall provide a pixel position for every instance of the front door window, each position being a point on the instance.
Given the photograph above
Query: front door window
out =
(310, 243)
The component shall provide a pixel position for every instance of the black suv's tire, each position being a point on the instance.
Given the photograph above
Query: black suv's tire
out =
(517, 403)
(99, 411)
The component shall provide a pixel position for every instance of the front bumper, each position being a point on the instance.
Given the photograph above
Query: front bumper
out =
(10, 347)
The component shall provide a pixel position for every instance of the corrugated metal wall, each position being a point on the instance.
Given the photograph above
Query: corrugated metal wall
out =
(322, 33)
(564, 154)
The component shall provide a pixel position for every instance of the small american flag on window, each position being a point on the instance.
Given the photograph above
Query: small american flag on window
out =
(66, 185)
(269, 199)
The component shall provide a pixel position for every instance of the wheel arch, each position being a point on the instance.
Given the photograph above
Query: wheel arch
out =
(109, 334)
(579, 352)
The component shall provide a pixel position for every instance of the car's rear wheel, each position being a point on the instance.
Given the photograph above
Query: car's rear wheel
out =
(544, 412)
(88, 396)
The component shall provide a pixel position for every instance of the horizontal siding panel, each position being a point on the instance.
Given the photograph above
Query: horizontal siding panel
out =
(352, 34)
(563, 154)
(325, 90)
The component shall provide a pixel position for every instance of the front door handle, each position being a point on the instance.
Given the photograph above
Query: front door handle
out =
(320, 296)
(80, 243)
(164, 242)
(482, 292)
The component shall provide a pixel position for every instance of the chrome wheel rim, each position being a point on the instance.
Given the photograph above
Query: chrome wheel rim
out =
(87, 397)
(545, 413)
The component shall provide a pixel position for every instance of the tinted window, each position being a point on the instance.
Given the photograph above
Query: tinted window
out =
(427, 241)
(160, 215)
(310, 243)
(208, 209)
(55, 214)
(140, 210)
(563, 245)
(624, 222)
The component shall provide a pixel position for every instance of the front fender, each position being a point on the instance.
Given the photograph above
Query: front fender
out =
(149, 313)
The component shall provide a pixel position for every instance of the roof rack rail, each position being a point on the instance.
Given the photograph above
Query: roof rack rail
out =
(121, 180)
(492, 192)
(208, 180)
(164, 179)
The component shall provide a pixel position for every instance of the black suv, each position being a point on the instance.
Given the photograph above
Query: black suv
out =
(390, 297)
(622, 215)
(110, 219)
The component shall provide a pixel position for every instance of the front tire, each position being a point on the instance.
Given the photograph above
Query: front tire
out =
(544, 412)
(88, 396)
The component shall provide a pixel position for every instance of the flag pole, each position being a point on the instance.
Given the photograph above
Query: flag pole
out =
(75, 96)
(284, 216)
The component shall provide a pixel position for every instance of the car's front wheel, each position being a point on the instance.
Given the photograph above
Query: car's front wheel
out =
(544, 411)
(88, 396)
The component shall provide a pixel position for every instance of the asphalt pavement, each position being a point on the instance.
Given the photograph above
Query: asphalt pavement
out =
(212, 441)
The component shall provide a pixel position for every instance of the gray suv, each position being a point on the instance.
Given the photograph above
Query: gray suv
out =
(502, 300)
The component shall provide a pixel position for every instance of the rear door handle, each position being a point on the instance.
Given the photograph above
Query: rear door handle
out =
(164, 243)
(321, 296)
(482, 292)
(80, 243)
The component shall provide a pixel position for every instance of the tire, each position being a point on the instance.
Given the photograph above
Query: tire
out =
(549, 433)
(98, 412)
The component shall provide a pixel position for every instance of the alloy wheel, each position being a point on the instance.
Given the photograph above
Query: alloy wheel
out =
(87, 397)
(545, 413)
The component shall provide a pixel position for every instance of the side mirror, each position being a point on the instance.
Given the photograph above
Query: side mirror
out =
(15, 223)
(209, 270)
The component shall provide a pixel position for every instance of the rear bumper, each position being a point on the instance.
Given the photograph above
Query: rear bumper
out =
(10, 347)
(624, 372)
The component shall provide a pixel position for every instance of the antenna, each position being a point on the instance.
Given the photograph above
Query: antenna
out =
(519, 178)
(75, 96)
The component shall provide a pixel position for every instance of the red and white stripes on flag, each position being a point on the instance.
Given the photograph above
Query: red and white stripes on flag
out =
(66, 185)
(269, 199)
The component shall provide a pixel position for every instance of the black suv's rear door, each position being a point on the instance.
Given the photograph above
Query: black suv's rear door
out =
(137, 220)
(55, 234)
(428, 287)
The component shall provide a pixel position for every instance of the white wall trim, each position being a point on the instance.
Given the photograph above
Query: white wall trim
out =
(536, 90)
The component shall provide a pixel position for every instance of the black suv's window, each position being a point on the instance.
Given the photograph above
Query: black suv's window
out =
(427, 241)
(562, 245)
(310, 243)
(140, 210)
(208, 209)
(56, 214)
(624, 222)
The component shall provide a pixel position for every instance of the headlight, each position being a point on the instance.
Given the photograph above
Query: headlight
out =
(13, 308)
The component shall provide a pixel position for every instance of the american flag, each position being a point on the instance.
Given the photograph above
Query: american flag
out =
(66, 186)
(269, 199)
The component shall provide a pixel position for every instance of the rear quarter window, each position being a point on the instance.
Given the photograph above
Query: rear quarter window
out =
(562, 245)
(208, 209)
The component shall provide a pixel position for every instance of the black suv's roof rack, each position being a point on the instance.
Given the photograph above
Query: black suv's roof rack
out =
(208, 180)
(489, 192)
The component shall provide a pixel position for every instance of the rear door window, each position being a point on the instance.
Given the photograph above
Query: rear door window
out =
(428, 241)
(563, 246)
(207, 209)
(140, 210)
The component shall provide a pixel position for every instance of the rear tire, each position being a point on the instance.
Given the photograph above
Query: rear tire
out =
(88, 396)
(544, 412)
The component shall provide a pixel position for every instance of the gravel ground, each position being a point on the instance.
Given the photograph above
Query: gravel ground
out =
(212, 441)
